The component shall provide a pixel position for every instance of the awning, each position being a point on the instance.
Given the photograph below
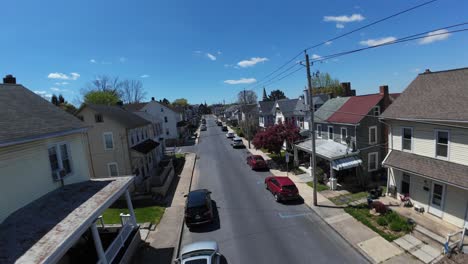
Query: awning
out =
(346, 163)
(146, 146)
(327, 149)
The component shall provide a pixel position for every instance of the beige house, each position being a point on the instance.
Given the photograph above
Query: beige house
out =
(121, 143)
(428, 142)
(49, 205)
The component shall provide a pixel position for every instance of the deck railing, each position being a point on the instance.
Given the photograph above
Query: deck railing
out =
(119, 241)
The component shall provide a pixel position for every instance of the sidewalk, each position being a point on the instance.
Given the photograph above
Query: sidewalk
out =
(162, 244)
(370, 244)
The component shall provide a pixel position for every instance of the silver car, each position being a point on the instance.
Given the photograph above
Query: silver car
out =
(237, 142)
(202, 252)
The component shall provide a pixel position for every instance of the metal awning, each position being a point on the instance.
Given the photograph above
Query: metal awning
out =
(346, 163)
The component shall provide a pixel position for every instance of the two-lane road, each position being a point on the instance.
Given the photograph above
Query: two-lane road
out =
(252, 227)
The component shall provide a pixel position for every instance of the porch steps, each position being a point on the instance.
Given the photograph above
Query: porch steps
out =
(435, 237)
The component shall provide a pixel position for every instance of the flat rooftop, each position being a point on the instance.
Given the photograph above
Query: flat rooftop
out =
(43, 230)
(327, 149)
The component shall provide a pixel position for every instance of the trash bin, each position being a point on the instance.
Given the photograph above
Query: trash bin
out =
(333, 183)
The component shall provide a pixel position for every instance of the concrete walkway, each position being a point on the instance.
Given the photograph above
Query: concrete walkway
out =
(162, 244)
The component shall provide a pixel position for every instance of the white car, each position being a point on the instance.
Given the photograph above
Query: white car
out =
(205, 252)
(237, 143)
(230, 135)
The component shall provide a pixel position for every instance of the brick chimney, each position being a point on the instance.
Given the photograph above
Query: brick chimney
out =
(386, 97)
(152, 98)
(346, 88)
(427, 71)
(9, 79)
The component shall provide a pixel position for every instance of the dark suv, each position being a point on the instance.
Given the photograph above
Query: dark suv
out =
(198, 208)
(224, 128)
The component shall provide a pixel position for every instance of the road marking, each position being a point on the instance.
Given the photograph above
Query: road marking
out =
(292, 215)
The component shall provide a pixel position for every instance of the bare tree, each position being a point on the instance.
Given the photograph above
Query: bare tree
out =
(247, 97)
(132, 91)
(104, 83)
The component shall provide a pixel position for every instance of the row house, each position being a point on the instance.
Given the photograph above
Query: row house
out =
(266, 114)
(428, 141)
(50, 206)
(350, 140)
(121, 143)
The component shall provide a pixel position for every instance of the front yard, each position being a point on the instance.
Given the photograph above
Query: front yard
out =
(144, 214)
(320, 186)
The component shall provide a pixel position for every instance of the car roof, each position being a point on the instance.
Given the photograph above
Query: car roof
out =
(283, 180)
(196, 197)
(200, 245)
(237, 138)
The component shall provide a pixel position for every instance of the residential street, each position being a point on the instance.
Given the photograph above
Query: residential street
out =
(252, 227)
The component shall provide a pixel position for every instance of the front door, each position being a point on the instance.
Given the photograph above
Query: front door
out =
(436, 205)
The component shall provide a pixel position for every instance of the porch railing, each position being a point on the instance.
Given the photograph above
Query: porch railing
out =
(119, 242)
(448, 246)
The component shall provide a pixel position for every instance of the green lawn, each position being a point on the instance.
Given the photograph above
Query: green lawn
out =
(320, 186)
(150, 214)
(348, 198)
(179, 155)
(390, 226)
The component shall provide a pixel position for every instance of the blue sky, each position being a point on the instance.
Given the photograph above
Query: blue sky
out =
(192, 49)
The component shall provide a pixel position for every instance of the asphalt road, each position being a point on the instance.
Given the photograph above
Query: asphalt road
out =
(251, 227)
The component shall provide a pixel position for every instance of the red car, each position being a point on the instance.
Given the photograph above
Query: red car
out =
(256, 162)
(282, 188)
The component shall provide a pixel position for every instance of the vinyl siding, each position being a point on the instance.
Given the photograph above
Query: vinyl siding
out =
(26, 175)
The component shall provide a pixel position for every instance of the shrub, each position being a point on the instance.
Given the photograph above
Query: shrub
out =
(382, 221)
(379, 207)
(397, 226)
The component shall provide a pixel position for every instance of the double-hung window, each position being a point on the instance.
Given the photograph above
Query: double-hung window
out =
(60, 162)
(407, 139)
(113, 169)
(442, 143)
(372, 161)
(344, 134)
(330, 132)
(108, 141)
(373, 135)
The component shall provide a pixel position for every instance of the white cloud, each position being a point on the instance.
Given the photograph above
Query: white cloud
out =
(241, 81)
(219, 52)
(197, 52)
(433, 36)
(251, 62)
(340, 20)
(43, 94)
(55, 89)
(40, 92)
(58, 75)
(211, 56)
(61, 83)
(106, 62)
(144, 76)
(316, 57)
(328, 43)
(122, 59)
(92, 61)
(375, 42)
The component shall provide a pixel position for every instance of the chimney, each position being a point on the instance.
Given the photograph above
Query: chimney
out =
(386, 97)
(152, 98)
(353, 92)
(427, 71)
(346, 88)
(9, 79)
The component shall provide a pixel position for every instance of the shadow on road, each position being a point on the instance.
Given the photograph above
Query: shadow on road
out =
(148, 254)
(215, 225)
(294, 202)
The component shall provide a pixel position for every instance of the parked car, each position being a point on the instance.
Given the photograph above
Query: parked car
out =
(219, 123)
(203, 121)
(237, 143)
(206, 252)
(198, 208)
(224, 128)
(256, 162)
(230, 135)
(203, 128)
(282, 188)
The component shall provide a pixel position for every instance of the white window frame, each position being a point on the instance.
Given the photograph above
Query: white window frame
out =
(369, 169)
(104, 139)
(403, 139)
(376, 133)
(333, 132)
(109, 169)
(343, 140)
(376, 109)
(435, 144)
(319, 128)
(59, 158)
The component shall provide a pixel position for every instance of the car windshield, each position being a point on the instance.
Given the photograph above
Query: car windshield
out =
(196, 261)
(201, 254)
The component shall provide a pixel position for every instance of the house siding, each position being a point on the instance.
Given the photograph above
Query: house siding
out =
(154, 109)
(25, 169)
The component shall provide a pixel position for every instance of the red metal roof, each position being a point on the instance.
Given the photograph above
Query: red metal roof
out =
(353, 111)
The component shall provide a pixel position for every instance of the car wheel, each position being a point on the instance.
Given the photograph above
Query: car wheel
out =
(277, 198)
(266, 186)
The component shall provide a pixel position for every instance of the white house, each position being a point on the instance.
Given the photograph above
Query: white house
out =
(49, 205)
(428, 141)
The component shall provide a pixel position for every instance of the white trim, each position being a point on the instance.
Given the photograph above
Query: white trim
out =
(109, 170)
(376, 161)
(104, 138)
(328, 131)
(319, 125)
(403, 137)
(436, 209)
(435, 144)
(376, 134)
(343, 140)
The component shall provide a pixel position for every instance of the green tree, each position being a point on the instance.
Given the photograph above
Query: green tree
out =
(323, 83)
(61, 100)
(276, 95)
(101, 97)
(165, 101)
(54, 100)
(180, 102)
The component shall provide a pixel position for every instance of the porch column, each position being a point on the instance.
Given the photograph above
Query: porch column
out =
(296, 157)
(130, 207)
(332, 180)
(98, 244)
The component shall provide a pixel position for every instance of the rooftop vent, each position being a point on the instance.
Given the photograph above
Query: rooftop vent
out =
(9, 79)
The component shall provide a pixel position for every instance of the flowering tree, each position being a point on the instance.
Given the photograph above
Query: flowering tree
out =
(273, 137)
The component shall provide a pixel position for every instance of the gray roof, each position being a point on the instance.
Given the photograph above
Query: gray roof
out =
(330, 106)
(119, 114)
(266, 107)
(436, 169)
(291, 106)
(445, 90)
(320, 99)
(327, 149)
(38, 231)
(26, 116)
(250, 108)
(232, 108)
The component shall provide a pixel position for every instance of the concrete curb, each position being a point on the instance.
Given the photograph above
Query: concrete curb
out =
(181, 230)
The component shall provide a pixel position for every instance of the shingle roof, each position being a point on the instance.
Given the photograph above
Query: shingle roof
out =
(441, 170)
(249, 108)
(135, 106)
(353, 111)
(26, 116)
(445, 90)
(266, 107)
(119, 114)
(145, 146)
(319, 98)
(291, 106)
(330, 106)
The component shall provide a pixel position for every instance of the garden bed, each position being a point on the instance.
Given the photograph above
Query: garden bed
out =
(389, 225)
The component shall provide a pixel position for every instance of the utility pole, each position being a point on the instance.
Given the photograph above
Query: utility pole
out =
(247, 119)
(311, 127)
